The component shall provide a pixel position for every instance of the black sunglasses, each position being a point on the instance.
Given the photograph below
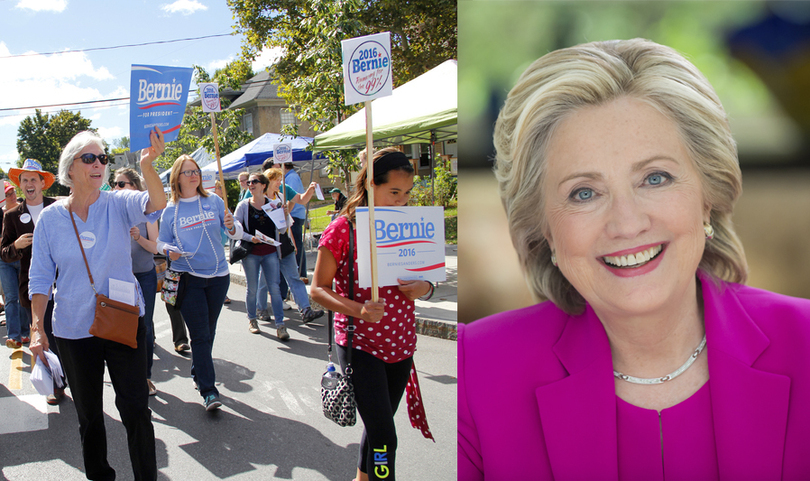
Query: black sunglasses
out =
(254, 181)
(91, 158)
(121, 184)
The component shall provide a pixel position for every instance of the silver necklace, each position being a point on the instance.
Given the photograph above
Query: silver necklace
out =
(668, 377)
(205, 229)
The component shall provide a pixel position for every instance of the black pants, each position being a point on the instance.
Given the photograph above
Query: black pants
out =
(378, 389)
(83, 361)
(179, 335)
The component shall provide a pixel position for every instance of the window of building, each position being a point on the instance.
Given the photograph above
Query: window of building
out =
(247, 123)
(287, 117)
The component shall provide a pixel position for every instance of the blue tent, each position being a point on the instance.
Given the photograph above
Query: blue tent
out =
(256, 152)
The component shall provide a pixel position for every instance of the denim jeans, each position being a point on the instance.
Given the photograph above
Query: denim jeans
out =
(261, 297)
(273, 270)
(200, 306)
(301, 255)
(148, 282)
(17, 319)
(297, 231)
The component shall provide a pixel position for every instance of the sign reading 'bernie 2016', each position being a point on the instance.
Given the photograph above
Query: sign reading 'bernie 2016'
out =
(410, 245)
(157, 98)
(282, 153)
(367, 68)
(209, 95)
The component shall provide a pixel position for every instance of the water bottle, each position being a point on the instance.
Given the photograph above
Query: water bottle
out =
(330, 377)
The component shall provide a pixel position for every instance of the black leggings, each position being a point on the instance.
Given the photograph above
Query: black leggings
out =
(378, 389)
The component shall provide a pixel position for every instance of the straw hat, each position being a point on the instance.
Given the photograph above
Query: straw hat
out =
(30, 165)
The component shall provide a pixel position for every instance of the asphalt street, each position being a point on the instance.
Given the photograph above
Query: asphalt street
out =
(270, 427)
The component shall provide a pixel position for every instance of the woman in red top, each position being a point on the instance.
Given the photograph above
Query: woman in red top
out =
(385, 332)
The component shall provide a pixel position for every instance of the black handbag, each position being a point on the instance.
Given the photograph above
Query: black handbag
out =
(240, 250)
(339, 404)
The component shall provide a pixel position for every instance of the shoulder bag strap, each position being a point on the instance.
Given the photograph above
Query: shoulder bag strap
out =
(350, 319)
(76, 230)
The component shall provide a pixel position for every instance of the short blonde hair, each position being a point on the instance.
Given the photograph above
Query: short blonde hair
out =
(592, 74)
(273, 173)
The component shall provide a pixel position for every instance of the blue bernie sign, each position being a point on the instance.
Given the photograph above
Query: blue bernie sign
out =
(157, 98)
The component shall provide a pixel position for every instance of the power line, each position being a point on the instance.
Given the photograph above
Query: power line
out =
(122, 104)
(118, 46)
(6, 109)
(63, 105)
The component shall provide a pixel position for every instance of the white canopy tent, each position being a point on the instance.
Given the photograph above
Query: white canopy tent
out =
(424, 110)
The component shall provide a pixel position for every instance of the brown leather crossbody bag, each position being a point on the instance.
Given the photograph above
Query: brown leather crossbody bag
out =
(114, 320)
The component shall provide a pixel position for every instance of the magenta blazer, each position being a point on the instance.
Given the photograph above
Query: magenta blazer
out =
(536, 397)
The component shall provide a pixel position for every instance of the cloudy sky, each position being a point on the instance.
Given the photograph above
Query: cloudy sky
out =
(47, 26)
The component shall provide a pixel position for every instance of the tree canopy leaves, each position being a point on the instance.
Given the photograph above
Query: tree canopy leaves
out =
(309, 32)
(43, 136)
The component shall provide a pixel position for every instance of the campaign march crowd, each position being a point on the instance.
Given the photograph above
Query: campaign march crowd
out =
(73, 267)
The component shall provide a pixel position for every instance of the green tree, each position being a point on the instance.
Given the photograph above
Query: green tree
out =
(309, 76)
(43, 136)
(441, 192)
(233, 75)
(196, 129)
(120, 146)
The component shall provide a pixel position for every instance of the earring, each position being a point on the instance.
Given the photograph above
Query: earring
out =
(708, 230)
(554, 258)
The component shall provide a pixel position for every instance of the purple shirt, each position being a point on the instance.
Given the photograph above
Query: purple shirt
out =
(537, 397)
(677, 444)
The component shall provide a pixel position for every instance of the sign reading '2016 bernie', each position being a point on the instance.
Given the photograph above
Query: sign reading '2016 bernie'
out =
(410, 245)
(157, 98)
(367, 68)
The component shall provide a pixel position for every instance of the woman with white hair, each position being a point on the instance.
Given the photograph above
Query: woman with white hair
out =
(103, 221)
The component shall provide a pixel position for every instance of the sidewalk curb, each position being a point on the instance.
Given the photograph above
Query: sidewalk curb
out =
(427, 327)
(437, 328)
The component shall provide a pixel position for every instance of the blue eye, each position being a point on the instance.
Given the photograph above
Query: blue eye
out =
(658, 178)
(582, 195)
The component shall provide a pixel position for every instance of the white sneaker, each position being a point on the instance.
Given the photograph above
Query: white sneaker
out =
(286, 305)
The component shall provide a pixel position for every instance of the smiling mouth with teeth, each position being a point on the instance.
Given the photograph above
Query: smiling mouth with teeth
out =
(634, 260)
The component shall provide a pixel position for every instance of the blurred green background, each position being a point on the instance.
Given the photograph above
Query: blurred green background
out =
(755, 54)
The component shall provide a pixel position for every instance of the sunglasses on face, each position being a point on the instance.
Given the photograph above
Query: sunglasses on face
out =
(121, 184)
(254, 181)
(91, 158)
(189, 173)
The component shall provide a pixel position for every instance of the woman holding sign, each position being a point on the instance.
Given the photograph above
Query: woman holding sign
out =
(97, 225)
(255, 215)
(385, 332)
(189, 235)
